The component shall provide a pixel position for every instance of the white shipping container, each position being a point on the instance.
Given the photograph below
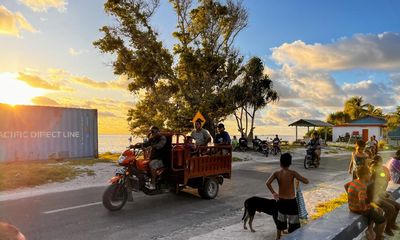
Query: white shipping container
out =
(38, 133)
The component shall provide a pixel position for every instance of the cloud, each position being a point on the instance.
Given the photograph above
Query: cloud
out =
(377, 94)
(106, 114)
(120, 83)
(283, 116)
(37, 82)
(73, 52)
(315, 87)
(44, 5)
(44, 101)
(13, 23)
(369, 51)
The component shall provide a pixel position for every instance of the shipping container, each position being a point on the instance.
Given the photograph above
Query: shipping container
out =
(39, 133)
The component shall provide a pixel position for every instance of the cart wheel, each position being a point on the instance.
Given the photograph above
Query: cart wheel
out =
(209, 190)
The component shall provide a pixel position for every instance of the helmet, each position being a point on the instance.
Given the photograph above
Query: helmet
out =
(220, 125)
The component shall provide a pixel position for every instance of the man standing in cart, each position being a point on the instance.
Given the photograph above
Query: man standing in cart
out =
(200, 135)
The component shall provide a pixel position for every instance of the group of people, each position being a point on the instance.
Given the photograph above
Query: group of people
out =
(367, 194)
(157, 144)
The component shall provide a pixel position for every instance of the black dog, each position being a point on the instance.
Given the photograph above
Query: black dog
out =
(253, 204)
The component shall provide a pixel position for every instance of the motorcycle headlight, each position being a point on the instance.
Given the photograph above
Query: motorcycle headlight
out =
(121, 159)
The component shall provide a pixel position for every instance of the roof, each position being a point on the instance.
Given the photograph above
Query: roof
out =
(310, 123)
(368, 120)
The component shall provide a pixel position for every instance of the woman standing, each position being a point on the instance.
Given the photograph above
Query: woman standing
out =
(358, 158)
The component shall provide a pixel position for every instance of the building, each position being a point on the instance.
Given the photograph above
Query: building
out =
(394, 137)
(363, 127)
(39, 133)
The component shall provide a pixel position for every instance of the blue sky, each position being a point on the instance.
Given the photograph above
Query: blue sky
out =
(333, 49)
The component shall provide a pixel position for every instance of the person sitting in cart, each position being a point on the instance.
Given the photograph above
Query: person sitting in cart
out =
(158, 145)
(222, 136)
(200, 135)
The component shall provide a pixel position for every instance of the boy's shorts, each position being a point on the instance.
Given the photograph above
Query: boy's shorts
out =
(373, 215)
(288, 213)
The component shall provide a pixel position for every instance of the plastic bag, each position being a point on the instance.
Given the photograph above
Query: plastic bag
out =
(303, 214)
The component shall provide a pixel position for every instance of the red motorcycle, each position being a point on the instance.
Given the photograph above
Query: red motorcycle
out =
(202, 171)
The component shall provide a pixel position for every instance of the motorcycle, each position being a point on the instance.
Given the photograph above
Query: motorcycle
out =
(275, 147)
(133, 176)
(310, 159)
(243, 144)
(265, 147)
(261, 146)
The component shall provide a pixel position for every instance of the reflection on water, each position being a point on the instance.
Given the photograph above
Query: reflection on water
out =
(118, 143)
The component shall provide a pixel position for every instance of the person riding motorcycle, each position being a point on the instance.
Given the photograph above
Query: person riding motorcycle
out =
(315, 145)
(276, 143)
(157, 145)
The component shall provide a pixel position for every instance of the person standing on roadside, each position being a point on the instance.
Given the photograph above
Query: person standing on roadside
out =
(288, 212)
(358, 158)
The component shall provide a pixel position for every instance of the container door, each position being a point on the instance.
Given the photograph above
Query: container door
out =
(365, 135)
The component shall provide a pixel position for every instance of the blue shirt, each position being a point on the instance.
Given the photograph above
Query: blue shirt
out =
(222, 138)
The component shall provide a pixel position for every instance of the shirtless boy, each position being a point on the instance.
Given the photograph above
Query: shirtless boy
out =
(287, 204)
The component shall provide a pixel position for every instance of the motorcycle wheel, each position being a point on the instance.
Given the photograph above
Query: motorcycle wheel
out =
(307, 162)
(209, 190)
(115, 197)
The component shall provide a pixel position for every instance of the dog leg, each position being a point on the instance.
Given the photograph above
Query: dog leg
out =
(251, 224)
(245, 221)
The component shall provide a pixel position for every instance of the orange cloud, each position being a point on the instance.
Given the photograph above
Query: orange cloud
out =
(37, 82)
(44, 101)
(12, 23)
(120, 83)
(44, 5)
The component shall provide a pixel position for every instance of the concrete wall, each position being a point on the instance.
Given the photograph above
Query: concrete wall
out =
(341, 131)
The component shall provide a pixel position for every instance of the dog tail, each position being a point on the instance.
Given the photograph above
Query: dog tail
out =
(245, 211)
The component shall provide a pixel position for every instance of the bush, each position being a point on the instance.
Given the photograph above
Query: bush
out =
(382, 144)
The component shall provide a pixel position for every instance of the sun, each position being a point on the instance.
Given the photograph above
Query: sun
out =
(14, 92)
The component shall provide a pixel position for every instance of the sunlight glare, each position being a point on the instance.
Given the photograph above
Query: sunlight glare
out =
(13, 91)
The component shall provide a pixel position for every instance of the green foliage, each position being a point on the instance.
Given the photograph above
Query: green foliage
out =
(254, 92)
(321, 132)
(196, 76)
(393, 119)
(354, 108)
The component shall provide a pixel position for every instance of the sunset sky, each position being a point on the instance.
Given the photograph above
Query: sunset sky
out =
(318, 53)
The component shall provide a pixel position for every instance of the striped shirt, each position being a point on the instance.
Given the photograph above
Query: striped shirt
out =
(357, 196)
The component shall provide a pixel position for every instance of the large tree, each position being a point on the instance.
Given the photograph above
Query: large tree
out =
(172, 85)
(254, 92)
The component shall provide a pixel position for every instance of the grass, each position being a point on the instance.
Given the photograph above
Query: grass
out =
(329, 206)
(236, 159)
(19, 174)
(28, 174)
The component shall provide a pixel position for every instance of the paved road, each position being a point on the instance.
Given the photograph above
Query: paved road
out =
(80, 215)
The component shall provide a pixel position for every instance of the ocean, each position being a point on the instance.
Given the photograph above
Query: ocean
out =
(118, 143)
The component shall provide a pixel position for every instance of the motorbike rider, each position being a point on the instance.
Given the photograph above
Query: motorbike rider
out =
(277, 142)
(157, 143)
(315, 146)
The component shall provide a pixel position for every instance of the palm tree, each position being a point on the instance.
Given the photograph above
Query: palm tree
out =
(355, 108)
(372, 111)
